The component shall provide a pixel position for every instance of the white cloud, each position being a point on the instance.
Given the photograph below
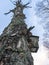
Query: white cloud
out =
(41, 57)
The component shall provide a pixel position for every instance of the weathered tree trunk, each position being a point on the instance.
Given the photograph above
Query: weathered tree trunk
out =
(16, 41)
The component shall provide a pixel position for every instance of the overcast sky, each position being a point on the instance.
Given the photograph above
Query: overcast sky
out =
(41, 57)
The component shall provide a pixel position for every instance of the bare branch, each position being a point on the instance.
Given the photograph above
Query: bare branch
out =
(8, 12)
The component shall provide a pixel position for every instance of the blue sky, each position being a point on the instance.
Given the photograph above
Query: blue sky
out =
(6, 5)
(31, 20)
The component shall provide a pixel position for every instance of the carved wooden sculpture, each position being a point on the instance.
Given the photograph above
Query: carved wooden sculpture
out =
(16, 41)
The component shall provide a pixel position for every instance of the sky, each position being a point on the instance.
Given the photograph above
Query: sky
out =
(41, 57)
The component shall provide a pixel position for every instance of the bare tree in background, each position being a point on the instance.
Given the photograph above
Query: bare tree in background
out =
(42, 10)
